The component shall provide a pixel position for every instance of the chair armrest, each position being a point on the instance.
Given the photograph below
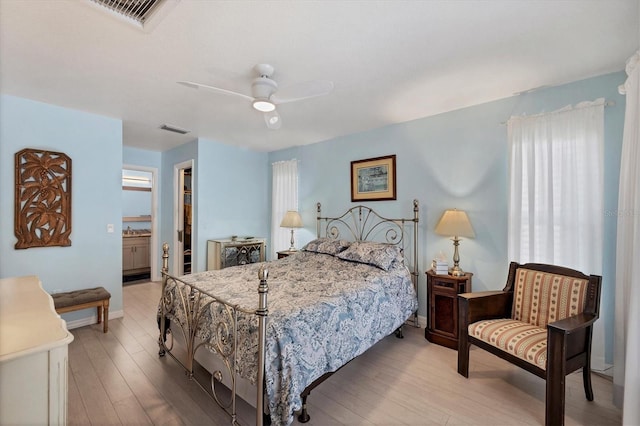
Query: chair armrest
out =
(572, 324)
(485, 305)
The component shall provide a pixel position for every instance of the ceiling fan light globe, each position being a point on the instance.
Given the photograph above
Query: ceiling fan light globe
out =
(263, 105)
(272, 119)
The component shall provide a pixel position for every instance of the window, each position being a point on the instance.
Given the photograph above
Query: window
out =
(556, 187)
(284, 196)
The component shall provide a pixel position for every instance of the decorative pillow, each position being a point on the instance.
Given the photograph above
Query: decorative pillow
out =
(377, 254)
(327, 246)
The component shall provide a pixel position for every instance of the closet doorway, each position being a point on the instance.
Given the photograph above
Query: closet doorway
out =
(184, 241)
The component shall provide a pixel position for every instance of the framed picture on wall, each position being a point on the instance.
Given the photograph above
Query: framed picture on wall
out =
(373, 179)
(42, 209)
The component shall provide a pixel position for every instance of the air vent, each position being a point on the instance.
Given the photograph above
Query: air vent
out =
(137, 12)
(174, 129)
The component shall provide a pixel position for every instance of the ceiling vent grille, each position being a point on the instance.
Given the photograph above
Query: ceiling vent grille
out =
(137, 12)
(170, 128)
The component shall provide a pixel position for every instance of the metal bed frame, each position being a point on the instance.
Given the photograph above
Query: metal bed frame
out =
(360, 223)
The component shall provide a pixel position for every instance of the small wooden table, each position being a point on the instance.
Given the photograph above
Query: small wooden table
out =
(442, 307)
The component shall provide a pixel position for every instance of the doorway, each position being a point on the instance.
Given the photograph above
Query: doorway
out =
(184, 241)
(139, 221)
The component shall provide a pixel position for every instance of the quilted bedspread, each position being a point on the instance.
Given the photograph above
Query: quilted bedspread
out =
(323, 312)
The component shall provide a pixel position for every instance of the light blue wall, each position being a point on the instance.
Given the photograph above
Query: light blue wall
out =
(230, 193)
(141, 157)
(459, 159)
(233, 194)
(94, 144)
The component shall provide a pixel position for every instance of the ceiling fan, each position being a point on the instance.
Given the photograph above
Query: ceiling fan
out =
(265, 94)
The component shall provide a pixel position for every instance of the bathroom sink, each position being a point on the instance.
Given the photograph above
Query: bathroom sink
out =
(127, 233)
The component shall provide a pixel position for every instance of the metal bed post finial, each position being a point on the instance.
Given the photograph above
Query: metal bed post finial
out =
(261, 312)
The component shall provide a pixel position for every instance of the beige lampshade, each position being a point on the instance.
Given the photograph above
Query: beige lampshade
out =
(291, 219)
(455, 223)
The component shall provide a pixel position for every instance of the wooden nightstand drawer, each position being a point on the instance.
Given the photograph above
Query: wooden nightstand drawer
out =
(444, 286)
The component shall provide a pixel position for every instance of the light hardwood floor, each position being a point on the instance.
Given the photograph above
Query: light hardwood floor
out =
(118, 378)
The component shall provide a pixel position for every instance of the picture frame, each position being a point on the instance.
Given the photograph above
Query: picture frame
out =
(374, 179)
(42, 207)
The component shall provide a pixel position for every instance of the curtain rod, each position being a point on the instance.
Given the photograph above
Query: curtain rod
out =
(606, 104)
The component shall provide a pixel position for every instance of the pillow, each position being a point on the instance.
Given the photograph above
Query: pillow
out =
(377, 254)
(327, 246)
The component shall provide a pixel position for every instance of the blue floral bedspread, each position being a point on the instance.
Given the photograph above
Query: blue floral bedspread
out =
(323, 312)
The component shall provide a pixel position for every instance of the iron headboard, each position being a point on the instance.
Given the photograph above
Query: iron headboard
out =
(361, 223)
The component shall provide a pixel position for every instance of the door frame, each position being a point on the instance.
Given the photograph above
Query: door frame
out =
(153, 241)
(178, 206)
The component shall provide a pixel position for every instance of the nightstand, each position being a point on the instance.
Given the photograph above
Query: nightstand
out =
(285, 253)
(442, 307)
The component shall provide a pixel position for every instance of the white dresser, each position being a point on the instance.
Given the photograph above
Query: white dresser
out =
(33, 355)
(232, 252)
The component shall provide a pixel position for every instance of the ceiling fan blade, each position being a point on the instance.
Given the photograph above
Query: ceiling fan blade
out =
(215, 89)
(299, 91)
(272, 119)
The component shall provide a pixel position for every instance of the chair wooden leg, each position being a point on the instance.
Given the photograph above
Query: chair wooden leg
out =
(586, 370)
(586, 378)
(556, 373)
(463, 342)
(463, 357)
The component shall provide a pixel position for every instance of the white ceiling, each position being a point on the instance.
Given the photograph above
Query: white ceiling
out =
(390, 61)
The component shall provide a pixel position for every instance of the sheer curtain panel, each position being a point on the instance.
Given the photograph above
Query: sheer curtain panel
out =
(556, 188)
(284, 196)
(626, 371)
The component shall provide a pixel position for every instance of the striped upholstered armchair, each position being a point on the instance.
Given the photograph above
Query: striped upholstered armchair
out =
(542, 321)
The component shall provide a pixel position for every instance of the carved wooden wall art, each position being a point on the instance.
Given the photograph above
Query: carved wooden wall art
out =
(43, 199)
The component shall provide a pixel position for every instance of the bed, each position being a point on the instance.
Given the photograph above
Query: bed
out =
(272, 331)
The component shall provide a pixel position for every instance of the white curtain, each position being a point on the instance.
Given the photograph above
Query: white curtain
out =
(626, 375)
(284, 196)
(556, 187)
(556, 194)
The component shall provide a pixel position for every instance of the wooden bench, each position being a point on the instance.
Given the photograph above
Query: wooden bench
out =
(83, 299)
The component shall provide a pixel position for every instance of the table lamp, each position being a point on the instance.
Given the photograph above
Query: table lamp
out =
(455, 223)
(291, 220)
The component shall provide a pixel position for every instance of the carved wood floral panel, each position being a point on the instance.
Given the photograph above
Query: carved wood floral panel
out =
(43, 199)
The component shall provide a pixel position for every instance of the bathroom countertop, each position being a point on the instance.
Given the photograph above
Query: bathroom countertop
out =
(129, 233)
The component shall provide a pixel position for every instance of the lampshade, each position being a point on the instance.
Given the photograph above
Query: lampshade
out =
(455, 223)
(291, 220)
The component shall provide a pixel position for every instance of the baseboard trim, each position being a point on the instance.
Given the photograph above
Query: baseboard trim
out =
(598, 364)
(93, 319)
